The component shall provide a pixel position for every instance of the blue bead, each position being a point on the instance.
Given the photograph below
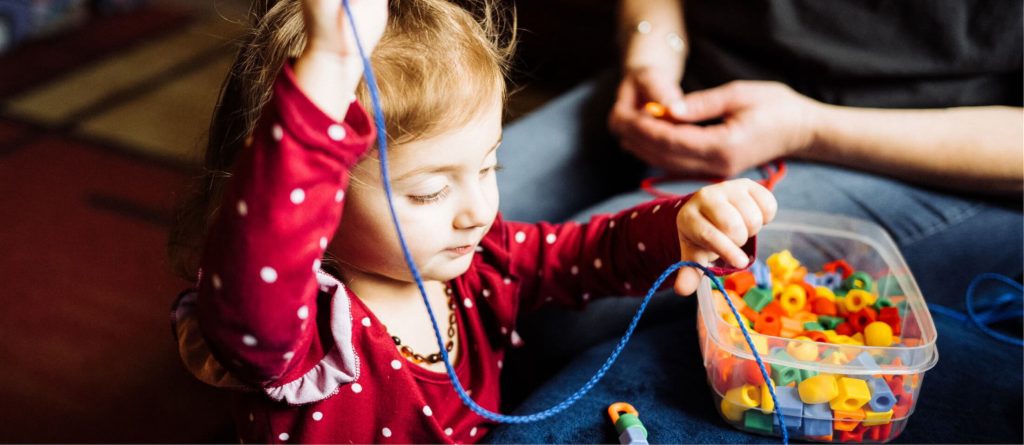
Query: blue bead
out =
(865, 361)
(882, 398)
(762, 275)
(817, 420)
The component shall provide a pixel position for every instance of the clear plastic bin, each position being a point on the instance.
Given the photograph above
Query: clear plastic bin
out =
(885, 376)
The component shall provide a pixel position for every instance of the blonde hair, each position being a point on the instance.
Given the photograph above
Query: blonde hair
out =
(436, 65)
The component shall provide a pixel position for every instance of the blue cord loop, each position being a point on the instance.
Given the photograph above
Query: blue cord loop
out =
(1000, 309)
(483, 412)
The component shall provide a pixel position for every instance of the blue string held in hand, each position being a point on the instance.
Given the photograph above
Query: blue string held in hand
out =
(371, 83)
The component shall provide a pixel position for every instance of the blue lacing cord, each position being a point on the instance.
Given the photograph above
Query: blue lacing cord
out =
(469, 402)
(998, 309)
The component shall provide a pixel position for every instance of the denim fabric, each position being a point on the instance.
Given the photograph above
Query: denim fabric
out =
(555, 167)
(973, 394)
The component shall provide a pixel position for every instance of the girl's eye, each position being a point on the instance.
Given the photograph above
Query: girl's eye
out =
(493, 168)
(431, 198)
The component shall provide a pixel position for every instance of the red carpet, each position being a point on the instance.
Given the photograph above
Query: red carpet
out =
(85, 340)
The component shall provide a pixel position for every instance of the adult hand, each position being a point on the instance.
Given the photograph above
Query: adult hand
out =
(716, 222)
(638, 87)
(758, 122)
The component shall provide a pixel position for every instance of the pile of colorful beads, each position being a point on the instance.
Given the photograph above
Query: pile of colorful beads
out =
(834, 342)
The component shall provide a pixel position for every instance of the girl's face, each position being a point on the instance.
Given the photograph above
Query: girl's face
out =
(446, 198)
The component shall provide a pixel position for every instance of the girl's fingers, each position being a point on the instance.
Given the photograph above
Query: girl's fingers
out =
(702, 234)
(728, 221)
(749, 211)
(766, 202)
(688, 278)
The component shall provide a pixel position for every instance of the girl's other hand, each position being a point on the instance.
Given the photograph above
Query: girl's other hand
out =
(716, 222)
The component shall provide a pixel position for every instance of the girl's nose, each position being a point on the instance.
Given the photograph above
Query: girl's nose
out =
(474, 210)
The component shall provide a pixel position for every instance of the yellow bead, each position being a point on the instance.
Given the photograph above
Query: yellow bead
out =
(803, 349)
(767, 404)
(825, 293)
(818, 389)
(878, 333)
(836, 358)
(853, 394)
(747, 396)
(732, 412)
(857, 299)
(872, 418)
(793, 298)
(782, 265)
(760, 343)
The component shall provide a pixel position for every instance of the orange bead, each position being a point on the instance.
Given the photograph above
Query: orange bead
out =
(822, 306)
(655, 109)
(740, 282)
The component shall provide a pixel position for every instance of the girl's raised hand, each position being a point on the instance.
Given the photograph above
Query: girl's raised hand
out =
(328, 30)
(716, 222)
(329, 68)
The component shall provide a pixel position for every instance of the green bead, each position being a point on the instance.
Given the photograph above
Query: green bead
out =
(813, 326)
(858, 280)
(628, 420)
(807, 373)
(757, 298)
(829, 322)
(883, 301)
(755, 420)
(783, 375)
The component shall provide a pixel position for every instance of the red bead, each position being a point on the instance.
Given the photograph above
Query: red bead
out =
(844, 328)
(861, 318)
(891, 317)
(838, 265)
(773, 308)
(752, 373)
(857, 435)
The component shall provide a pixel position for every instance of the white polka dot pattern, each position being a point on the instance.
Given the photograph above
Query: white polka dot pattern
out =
(297, 196)
(242, 207)
(641, 247)
(472, 432)
(448, 431)
(283, 436)
(323, 242)
(268, 274)
(303, 312)
(249, 340)
(357, 388)
(366, 321)
(427, 411)
(277, 132)
(597, 263)
(468, 303)
(318, 416)
(551, 238)
(336, 132)
(396, 364)
(386, 432)
(339, 196)
(215, 280)
(520, 237)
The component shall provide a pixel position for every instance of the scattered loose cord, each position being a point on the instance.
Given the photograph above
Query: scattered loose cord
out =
(469, 402)
(992, 315)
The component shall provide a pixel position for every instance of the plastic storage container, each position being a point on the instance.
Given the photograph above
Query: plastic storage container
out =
(842, 388)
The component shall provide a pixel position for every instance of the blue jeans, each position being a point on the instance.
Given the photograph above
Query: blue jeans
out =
(561, 163)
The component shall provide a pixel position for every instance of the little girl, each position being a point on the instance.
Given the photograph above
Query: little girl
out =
(315, 319)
